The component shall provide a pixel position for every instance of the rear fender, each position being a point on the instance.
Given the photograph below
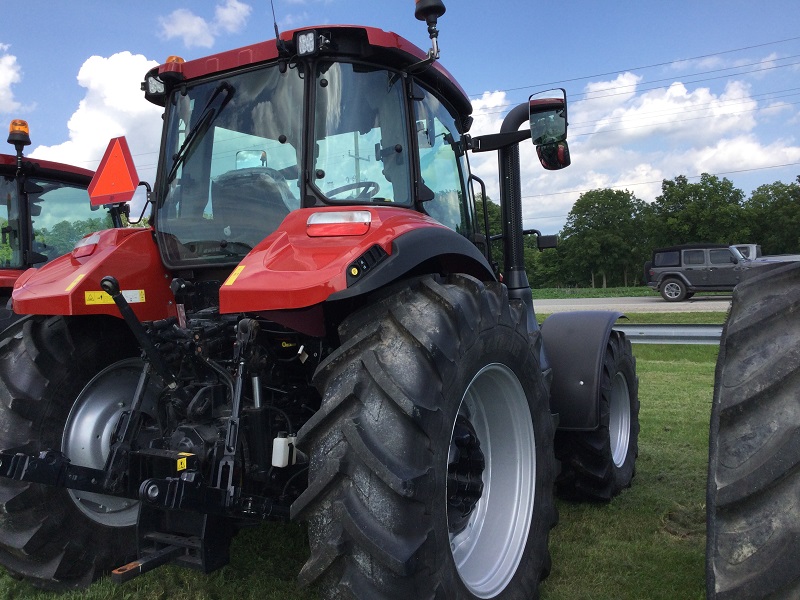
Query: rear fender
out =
(291, 269)
(70, 284)
(575, 345)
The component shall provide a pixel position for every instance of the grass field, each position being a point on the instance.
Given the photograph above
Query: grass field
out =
(648, 543)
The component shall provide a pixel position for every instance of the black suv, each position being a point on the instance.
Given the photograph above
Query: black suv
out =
(678, 272)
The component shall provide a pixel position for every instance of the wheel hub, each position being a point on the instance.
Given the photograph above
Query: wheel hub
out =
(465, 468)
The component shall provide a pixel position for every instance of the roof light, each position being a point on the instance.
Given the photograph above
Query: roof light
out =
(19, 133)
(330, 224)
(155, 85)
(306, 42)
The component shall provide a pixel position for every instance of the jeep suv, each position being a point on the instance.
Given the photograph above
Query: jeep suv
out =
(680, 271)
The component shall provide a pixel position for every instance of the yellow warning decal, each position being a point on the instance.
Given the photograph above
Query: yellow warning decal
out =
(75, 282)
(100, 297)
(232, 277)
(181, 462)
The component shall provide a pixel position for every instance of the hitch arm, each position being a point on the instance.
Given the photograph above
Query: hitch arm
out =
(111, 286)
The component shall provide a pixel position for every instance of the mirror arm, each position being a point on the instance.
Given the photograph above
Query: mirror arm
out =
(495, 141)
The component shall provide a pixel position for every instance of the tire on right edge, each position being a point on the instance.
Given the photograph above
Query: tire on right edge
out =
(753, 494)
(431, 459)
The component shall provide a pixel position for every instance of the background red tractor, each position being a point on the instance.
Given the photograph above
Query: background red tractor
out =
(312, 328)
(44, 212)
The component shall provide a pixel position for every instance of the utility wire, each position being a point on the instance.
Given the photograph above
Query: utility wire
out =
(640, 68)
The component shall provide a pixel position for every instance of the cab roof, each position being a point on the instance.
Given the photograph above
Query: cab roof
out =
(46, 168)
(348, 41)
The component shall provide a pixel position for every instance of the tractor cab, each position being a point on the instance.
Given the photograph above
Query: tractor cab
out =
(327, 123)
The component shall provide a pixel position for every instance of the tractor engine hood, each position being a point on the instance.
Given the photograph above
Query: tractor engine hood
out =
(70, 284)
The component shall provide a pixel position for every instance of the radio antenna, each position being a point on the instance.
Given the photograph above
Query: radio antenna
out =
(278, 41)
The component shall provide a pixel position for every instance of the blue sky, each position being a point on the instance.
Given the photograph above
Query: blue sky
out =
(656, 89)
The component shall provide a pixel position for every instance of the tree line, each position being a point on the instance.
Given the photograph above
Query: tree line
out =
(609, 234)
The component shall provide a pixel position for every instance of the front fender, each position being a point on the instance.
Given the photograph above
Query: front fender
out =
(70, 284)
(575, 345)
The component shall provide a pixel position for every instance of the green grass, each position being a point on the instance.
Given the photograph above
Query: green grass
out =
(616, 292)
(648, 543)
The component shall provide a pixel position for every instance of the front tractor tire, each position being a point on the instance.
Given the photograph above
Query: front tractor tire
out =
(753, 495)
(431, 459)
(54, 538)
(597, 465)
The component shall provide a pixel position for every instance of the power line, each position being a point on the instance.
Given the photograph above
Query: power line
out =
(640, 68)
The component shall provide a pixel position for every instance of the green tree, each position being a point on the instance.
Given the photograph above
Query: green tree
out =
(773, 212)
(709, 211)
(603, 238)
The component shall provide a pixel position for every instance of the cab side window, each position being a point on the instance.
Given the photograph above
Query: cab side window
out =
(442, 165)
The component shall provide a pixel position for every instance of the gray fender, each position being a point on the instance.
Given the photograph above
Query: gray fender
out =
(575, 346)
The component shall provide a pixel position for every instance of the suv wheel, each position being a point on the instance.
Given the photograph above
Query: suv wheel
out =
(673, 290)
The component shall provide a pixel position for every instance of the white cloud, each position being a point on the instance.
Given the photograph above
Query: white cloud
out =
(631, 139)
(112, 106)
(195, 31)
(10, 73)
(232, 15)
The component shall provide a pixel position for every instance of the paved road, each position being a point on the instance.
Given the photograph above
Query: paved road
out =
(632, 305)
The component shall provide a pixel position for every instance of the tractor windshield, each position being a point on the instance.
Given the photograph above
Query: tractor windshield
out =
(237, 148)
(233, 150)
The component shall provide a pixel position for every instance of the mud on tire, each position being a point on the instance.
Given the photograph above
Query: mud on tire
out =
(396, 455)
(44, 363)
(753, 495)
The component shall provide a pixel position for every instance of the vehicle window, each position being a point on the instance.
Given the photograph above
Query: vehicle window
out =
(694, 257)
(232, 165)
(667, 259)
(60, 216)
(362, 149)
(720, 257)
(440, 164)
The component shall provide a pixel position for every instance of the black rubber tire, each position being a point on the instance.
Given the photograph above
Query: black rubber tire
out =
(598, 465)
(673, 290)
(753, 515)
(44, 363)
(376, 503)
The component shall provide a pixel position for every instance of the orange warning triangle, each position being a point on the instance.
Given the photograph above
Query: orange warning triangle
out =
(115, 179)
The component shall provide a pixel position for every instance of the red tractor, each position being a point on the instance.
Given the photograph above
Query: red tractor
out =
(45, 210)
(312, 328)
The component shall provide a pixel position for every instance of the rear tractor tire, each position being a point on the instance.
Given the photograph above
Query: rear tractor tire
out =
(55, 538)
(753, 494)
(431, 460)
(598, 465)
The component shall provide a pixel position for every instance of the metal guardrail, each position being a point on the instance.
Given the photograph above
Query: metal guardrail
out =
(671, 333)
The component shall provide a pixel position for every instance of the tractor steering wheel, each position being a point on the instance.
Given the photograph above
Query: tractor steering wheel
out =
(370, 188)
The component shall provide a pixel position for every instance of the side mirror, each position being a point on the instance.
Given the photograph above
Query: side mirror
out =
(554, 156)
(548, 116)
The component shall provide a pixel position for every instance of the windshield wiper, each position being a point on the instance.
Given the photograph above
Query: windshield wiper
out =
(223, 93)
